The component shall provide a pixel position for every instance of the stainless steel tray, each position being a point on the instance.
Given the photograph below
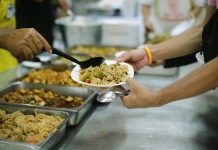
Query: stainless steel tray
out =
(48, 143)
(78, 112)
(26, 74)
(74, 50)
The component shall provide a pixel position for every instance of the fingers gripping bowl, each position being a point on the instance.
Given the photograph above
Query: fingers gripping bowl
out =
(108, 74)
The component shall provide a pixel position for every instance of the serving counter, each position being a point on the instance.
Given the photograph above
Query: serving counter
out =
(190, 125)
(183, 125)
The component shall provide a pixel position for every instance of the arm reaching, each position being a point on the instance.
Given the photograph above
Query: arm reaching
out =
(196, 11)
(184, 44)
(199, 81)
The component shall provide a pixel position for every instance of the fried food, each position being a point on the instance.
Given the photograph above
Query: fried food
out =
(49, 76)
(158, 39)
(96, 50)
(41, 97)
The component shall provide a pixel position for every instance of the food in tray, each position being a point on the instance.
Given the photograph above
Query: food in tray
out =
(69, 63)
(49, 76)
(104, 74)
(96, 50)
(27, 128)
(41, 97)
(158, 39)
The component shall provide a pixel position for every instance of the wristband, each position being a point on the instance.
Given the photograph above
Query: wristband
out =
(149, 54)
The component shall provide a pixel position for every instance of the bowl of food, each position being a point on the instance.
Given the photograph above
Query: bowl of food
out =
(108, 74)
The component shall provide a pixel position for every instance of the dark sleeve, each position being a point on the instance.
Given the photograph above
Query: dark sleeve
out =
(210, 38)
(180, 61)
(30, 13)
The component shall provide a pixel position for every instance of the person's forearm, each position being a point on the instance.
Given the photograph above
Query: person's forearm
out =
(200, 80)
(146, 12)
(196, 11)
(5, 31)
(2, 38)
(1, 42)
(184, 44)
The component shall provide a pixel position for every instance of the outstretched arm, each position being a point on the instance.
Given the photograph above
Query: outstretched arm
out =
(199, 81)
(184, 44)
(196, 11)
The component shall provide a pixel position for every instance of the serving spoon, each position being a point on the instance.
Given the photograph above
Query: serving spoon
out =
(109, 96)
(94, 61)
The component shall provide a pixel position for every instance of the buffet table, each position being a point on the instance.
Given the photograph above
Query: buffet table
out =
(183, 125)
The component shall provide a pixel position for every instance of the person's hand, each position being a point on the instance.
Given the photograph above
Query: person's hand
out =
(139, 96)
(24, 43)
(64, 5)
(149, 25)
(137, 58)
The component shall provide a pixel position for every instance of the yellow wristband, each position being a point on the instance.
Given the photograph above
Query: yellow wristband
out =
(150, 57)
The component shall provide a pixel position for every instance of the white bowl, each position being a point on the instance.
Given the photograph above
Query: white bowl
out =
(76, 72)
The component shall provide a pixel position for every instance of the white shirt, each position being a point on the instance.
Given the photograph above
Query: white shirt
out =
(200, 3)
(166, 14)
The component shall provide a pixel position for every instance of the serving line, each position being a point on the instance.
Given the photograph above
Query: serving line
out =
(182, 125)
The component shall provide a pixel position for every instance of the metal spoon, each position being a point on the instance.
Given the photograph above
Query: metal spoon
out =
(110, 96)
(94, 61)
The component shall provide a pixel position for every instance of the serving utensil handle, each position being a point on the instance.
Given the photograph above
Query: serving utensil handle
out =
(60, 53)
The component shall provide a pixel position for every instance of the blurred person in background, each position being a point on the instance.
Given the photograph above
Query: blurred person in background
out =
(39, 14)
(149, 13)
(202, 37)
(160, 16)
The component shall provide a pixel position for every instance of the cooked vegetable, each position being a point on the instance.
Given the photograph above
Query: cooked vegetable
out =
(105, 74)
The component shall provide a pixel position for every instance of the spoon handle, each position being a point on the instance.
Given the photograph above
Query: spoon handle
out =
(60, 53)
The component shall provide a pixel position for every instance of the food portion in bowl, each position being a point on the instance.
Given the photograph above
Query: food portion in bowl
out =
(108, 74)
(27, 128)
(51, 77)
(41, 97)
(104, 74)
